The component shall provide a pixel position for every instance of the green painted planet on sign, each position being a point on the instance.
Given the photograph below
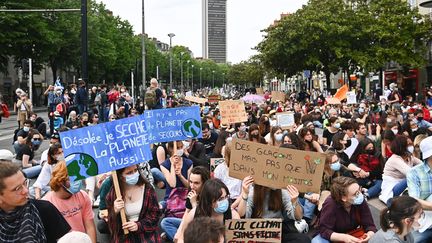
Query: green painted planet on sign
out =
(191, 128)
(81, 166)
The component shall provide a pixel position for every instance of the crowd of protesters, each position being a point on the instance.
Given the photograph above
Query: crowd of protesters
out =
(373, 149)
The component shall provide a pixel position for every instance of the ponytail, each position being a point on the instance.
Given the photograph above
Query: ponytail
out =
(401, 208)
(385, 219)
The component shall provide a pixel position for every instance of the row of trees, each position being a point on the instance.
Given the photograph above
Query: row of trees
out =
(54, 39)
(330, 35)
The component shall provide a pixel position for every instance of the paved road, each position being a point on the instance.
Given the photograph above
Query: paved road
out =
(8, 126)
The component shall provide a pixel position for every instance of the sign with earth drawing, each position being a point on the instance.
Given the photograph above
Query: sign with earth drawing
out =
(94, 150)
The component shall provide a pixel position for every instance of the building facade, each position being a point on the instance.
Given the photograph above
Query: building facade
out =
(214, 30)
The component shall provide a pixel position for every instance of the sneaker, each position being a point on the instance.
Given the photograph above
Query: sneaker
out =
(301, 226)
(96, 202)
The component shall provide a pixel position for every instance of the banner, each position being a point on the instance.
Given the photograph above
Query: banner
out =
(351, 98)
(232, 111)
(285, 120)
(196, 99)
(276, 167)
(253, 230)
(94, 150)
(278, 96)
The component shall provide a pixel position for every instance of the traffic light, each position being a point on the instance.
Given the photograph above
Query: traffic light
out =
(25, 66)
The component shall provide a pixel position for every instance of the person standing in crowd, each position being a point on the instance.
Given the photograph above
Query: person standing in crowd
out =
(102, 107)
(23, 109)
(153, 96)
(81, 98)
(343, 212)
(23, 219)
(73, 203)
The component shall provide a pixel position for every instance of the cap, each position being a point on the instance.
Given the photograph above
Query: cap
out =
(6, 154)
(426, 147)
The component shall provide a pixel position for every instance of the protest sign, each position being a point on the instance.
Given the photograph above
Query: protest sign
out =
(196, 99)
(232, 111)
(189, 93)
(351, 98)
(285, 120)
(94, 150)
(278, 96)
(276, 167)
(214, 98)
(253, 230)
(333, 101)
(259, 91)
(214, 162)
(383, 98)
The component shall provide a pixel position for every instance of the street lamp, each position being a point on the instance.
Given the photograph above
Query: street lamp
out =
(171, 35)
(426, 4)
(201, 78)
(192, 76)
(187, 72)
(181, 71)
(223, 79)
(213, 78)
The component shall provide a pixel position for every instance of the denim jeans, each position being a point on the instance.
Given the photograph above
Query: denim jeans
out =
(308, 208)
(158, 175)
(170, 226)
(319, 239)
(32, 172)
(374, 187)
(424, 237)
(81, 108)
(397, 190)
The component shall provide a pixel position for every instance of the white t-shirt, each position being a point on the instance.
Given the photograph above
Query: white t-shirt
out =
(234, 185)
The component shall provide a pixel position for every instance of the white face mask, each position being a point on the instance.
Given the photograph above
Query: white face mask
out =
(211, 125)
(179, 152)
(395, 131)
(279, 137)
(411, 149)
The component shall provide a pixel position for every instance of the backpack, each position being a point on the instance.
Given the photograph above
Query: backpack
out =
(113, 96)
(150, 98)
(176, 203)
(98, 99)
(4, 111)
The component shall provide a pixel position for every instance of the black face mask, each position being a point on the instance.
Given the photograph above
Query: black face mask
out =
(371, 152)
(348, 143)
(419, 119)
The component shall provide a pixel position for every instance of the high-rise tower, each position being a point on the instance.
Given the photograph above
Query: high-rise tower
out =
(214, 30)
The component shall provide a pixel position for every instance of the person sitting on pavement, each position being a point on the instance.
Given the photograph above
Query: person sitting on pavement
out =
(208, 139)
(73, 203)
(25, 155)
(344, 211)
(195, 151)
(23, 219)
(39, 123)
(398, 221)
(22, 134)
(419, 181)
(73, 121)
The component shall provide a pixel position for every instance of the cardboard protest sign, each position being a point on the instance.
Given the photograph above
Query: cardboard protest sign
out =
(259, 91)
(341, 93)
(232, 111)
(333, 101)
(253, 230)
(196, 99)
(285, 119)
(383, 98)
(94, 150)
(351, 98)
(189, 93)
(276, 167)
(214, 98)
(278, 96)
(214, 162)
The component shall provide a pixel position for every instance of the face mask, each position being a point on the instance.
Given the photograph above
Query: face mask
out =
(186, 144)
(395, 131)
(219, 117)
(132, 179)
(36, 142)
(370, 151)
(278, 137)
(337, 125)
(335, 166)
(410, 149)
(211, 125)
(59, 158)
(222, 206)
(419, 119)
(26, 129)
(358, 200)
(74, 187)
(348, 143)
(242, 128)
(414, 129)
(361, 110)
(179, 152)
(85, 123)
(254, 135)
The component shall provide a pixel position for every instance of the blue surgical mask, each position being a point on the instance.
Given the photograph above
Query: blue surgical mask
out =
(36, 142)
(361, 110)
(132, 179)
(337, 125)
(359, 199)
(335, 166)
(74, 187)
(279, 137)
(26, 129)
(222, 206)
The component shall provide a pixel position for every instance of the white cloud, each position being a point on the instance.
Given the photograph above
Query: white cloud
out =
(245, 20)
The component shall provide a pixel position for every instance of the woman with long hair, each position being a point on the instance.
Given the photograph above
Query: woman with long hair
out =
(275, 136)
(306, 135)
(254, 134)
(141, 206)
(399, 220)
(214, 203)
(264, 125)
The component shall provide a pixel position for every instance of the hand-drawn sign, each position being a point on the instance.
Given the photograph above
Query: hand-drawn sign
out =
(276, 167)
(232, 111)
(253, 230)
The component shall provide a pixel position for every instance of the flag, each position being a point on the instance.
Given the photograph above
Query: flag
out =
(341, 93)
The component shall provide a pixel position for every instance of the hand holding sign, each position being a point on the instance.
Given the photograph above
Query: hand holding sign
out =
(293, 192)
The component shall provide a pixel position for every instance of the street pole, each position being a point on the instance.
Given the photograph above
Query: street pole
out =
(192, 77)
(171, 35)
(30, 80)
(187, 73)
(223, 80)
(181, 72)
(200, 78)
(133, 84)
(143, 50)
(84, 47)
(157, 72)
(213, 79)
